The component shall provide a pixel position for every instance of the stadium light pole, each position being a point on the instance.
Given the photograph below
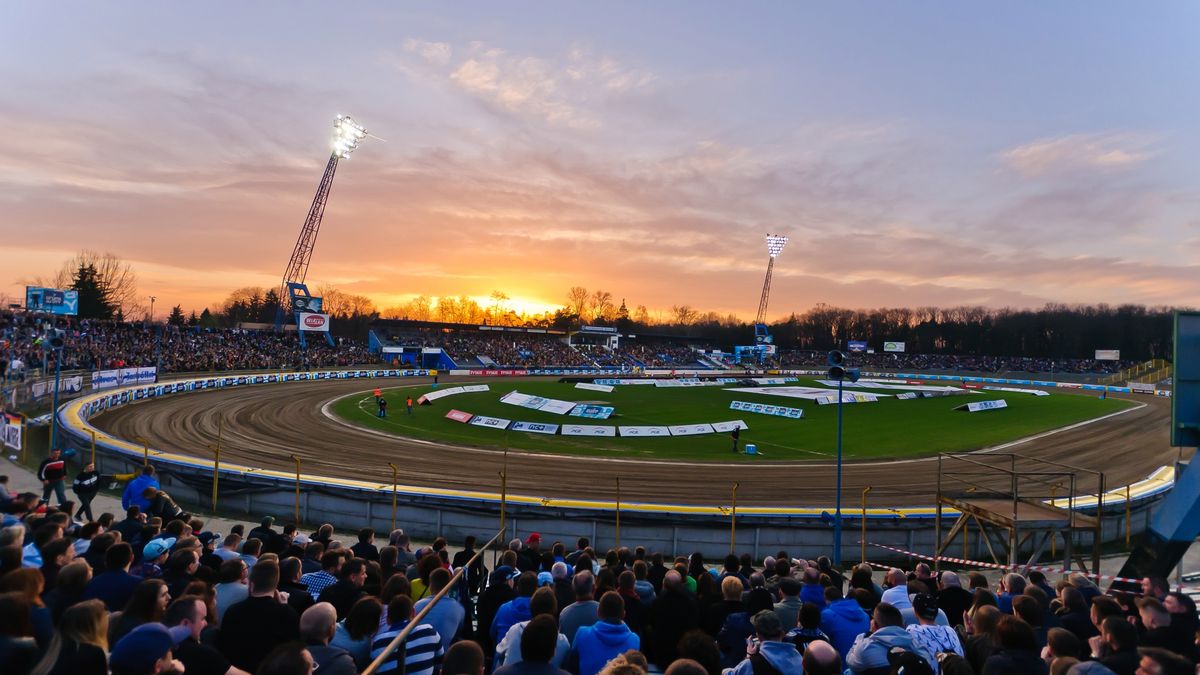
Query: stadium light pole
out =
(838, 371)
(152, 299)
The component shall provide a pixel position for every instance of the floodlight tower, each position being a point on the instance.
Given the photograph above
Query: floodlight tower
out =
(775, 244)
(347, 135)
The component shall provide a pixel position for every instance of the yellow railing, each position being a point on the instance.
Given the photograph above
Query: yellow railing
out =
(1151, 371)
(416, 620)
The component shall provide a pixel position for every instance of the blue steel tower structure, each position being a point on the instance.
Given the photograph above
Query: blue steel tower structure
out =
(775, 244)
(294, 296)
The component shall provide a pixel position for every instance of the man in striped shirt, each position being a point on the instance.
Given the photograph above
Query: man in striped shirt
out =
(423, 648)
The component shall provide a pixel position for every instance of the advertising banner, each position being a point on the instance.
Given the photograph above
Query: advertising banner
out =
(726, 427)
(301, 303)
(594, 387)
(535, 427)
(764, 409)
(493, 422)
(142, 375)
(51, 300)
(105, 379)
(983, 405)
(857, 345)
(586, 430)
(596, 412)
(644, 431)
(690, 429)
(12, 429)
(67, 385)
(1108, 354)
(459, 416)
(893, 346)
(313, 322)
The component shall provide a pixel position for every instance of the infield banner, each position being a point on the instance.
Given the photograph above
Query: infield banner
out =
(764, 409)
(492, 422)
(596, 412)
(587, 430)
(726, 427)
(594, 387)
(459, 416)
(983, 405)
(534, 427)
(690, 429)
(644, 431)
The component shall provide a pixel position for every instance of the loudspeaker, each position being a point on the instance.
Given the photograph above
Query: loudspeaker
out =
(836, 358)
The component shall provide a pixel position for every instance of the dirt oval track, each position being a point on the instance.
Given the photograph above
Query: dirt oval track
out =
(264, 425)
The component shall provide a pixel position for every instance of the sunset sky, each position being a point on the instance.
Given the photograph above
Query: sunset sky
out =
(916, 153)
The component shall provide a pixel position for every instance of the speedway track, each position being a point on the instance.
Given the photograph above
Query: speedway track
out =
(264, 425)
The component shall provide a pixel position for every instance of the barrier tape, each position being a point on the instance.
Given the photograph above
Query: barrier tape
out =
(1053, 569)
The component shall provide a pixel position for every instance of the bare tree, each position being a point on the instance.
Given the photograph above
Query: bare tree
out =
(602, 306)
(577, 300)
(114, 275)
(684, 314)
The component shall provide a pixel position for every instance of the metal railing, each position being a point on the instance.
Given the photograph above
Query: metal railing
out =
(400, 639)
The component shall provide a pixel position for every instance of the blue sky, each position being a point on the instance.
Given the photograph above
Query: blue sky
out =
(916, 153)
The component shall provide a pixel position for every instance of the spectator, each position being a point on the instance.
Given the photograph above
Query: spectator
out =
(134, 491)
(232, 587)
(191, 612)
(808, 628)
(517, 609)
(85, 486)
(1158, 661)
(343, 594)
(68, 589)
(771, 651)
(318, 624)
(599, 643)
(870, 650)
(1016, 650)
(298, 597)
(447, 616)
(508, 651)
(51, 472)
(537, 649)
(981, 636)
(820, 658)
(896, 594)
(253, 626)
(1011, 585)
(463, 658)
(290, 658)
(147, 650)
(731, 603)
(18, 650)
(812, 591)
(147, 605)
(930, 639)
(116, 584)
(331, 565)
(671, 616)
(80, 645)
(844, 620)
(365, 548)
(952, 598)
(357, 631)
(422, 651)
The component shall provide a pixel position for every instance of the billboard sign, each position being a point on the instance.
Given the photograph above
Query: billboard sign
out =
(51, 301)
(893, 346)
(313, 322)
(302, 303)
(1108, 354)
(857, 345)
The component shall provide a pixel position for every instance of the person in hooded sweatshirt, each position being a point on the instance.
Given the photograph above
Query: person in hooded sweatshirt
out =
(844, 620)
(599, 643)
(770, 653)
(515, 610)
(870, 650)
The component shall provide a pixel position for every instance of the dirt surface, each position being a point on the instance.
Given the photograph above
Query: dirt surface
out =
(263, 425)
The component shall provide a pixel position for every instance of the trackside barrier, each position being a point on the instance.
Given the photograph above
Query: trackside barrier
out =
(399, 640)
(1052, 569)
(996, 380)
(74, 416)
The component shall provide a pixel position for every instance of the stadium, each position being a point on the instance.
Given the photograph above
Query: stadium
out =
(591, 490)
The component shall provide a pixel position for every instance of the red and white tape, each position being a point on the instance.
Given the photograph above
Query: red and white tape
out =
(979, 563)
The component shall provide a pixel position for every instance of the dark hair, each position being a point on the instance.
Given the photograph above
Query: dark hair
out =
(352, 567)
(1122, 632)
(143, 602)
(264, 576)
(439, 579)
(118, 556)
(180, 560)
(231, 571)
(289, 569)
(1013, 633)
(887, 615)
(1171, 663)
(1063, 642)
(697, 646)
(252, 546)
(330, 560)
(148, 470)
(364, 615)
(612, 607)
(463, 658)
(526, 584)
(15, 613)
(365, 535)
(183, 608)
(1027, 609)
(286, 659)
(540, 639)
(400, 608)
(1073, 599)
(810, 615)
(543, 601)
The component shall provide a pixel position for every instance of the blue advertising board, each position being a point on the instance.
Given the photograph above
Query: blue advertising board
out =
(857, 345)
(51, 301)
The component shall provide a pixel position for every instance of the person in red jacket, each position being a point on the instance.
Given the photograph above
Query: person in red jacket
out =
(51, 472)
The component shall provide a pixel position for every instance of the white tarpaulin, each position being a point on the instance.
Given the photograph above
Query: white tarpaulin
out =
(594, 387)
(558, 407)
(442, 393)
(587, 430)
(978, 406)
(877, 384)
(853, 397)
(549, 405)
(810, 393)
(690, 429)
(1017, 390)
(645, 431)
(726, 427)
(534, 427)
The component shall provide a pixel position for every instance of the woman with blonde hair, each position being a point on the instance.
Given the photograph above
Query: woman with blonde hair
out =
(79, 645)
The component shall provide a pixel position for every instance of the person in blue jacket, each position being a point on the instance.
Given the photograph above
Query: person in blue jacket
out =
(843, 621)
(516, 610)
(601, 642)
(132, 496)
(768, 652)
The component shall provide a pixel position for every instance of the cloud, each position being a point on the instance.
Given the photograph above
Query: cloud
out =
(438, 53)
(1105, 151)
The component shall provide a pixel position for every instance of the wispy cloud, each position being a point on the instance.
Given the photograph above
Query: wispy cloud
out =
(1104, 151)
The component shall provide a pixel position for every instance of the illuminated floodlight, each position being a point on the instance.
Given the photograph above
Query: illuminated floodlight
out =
(775, 244)
(347, 135)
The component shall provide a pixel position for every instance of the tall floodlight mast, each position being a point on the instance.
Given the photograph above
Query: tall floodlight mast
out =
(775, 244)
(347, 135)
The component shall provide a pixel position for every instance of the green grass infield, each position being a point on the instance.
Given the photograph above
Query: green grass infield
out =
(889, 428)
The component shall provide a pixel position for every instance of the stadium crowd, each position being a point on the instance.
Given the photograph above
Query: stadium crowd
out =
(95, 345)
(156, 591)
(955, 363)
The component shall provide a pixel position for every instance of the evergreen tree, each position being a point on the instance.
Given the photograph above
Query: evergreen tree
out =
(176, 316)
(193, 320)
(207, 320)
(93, 298)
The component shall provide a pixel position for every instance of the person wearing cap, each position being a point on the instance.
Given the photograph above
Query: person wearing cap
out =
(447, 616)
(770, 653)
(515, 610)
(498, 592)
(870, 650)
(154, 554)
(190, 612)
(597, 644)
(929, 638)
(146, 650)
(208, 550)
(529, 558)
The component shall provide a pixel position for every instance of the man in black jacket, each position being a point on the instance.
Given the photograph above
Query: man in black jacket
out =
(51, 472)
(673, 614)
(343, 594)
(132, 526)
(85, 487)
(253, 627)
